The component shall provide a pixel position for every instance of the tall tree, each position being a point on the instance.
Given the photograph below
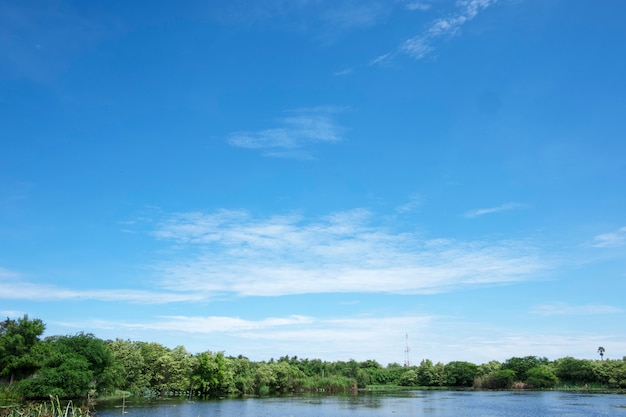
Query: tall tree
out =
(18, 339)
(522, 365)
(209, 375)
(72, 366)
(601, 352)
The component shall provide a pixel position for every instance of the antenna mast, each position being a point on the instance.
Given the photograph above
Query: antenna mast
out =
(407, 359)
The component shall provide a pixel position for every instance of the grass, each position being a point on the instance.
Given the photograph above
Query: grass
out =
(52, 408)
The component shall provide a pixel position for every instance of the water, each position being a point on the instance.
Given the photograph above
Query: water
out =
(410, 403)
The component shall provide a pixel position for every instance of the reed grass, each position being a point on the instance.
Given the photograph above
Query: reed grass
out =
(52, 408)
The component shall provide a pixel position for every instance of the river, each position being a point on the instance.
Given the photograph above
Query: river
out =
(409, 403)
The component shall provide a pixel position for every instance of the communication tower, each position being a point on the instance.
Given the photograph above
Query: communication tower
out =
(407, 350)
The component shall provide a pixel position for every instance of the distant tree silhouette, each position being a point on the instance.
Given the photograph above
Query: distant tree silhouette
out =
(601, 352)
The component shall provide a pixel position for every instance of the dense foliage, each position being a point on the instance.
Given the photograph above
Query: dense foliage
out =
(81, 364)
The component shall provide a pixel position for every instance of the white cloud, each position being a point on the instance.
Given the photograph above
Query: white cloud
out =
(14, 288)
(204, 325)
(354, 13)
(360, 337)
(503, 207)
(11, 314)
(294, 135)
(324, 19)
(422, 45)
(380, 59)
(343, 72)
(613, 239)
(582, 310)
(415, 5)
(233, 252)
(413, 204)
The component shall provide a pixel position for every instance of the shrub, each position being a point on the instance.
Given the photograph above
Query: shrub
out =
(541, 376)
(502, 379)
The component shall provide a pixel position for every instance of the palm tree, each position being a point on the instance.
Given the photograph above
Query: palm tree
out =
(601, 352)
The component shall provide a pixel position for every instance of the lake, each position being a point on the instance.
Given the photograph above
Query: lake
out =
(409, 403)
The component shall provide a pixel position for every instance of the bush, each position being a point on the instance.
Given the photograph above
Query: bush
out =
(502, 379)
(541, 376)
(408, 379)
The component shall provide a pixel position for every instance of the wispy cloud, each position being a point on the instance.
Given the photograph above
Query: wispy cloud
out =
(354, 13)
(305, 15)
(13, 287)
(234, 252)
(413, 204)
(380, 59)
(490, 210)
(294, 135)
(570, 310)
(202, 325)
(313, 337)
(357, 337)
(11, 314)
(420, 46)
(416, 5)
(613, 239)
(340, 73)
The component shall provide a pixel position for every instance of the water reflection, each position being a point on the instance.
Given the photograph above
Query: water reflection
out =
(410, 403)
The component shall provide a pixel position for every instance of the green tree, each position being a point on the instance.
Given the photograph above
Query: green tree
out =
(611, 373)
(243, 377)
(95, 351)
(18, 339)
(209, 375)
(489, 367)
(62, 374)
(408, 378)
(500, 379)
(72, 367)
(393, 372)
(460, 374)
(264, 378)
(154, 366)
(129, 366)
(574, 371)
(173, 370)
(541, 376)
(522, 365)
(287, 377)
(430, 375)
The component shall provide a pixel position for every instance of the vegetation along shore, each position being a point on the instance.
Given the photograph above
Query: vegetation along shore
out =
(81, 366)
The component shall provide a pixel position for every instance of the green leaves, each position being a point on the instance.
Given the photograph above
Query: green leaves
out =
(18, 339)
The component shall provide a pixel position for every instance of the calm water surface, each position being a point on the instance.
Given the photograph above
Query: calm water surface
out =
(411, 403)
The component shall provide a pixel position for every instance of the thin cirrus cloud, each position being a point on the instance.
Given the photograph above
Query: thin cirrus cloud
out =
(610, 240)
(294, 136)
(414, 203)
(13, 287)
(438, 338)
(343, 72)
(200, 325)
(304, 15)
(422, 45)
(232, 252)
(491, 210)
(416, 5)
(354, 14)
(313, 337)
(561, 309)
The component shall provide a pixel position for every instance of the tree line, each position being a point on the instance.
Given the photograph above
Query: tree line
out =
(81, 364)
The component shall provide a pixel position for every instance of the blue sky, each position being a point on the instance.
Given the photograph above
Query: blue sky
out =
(318, 178)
